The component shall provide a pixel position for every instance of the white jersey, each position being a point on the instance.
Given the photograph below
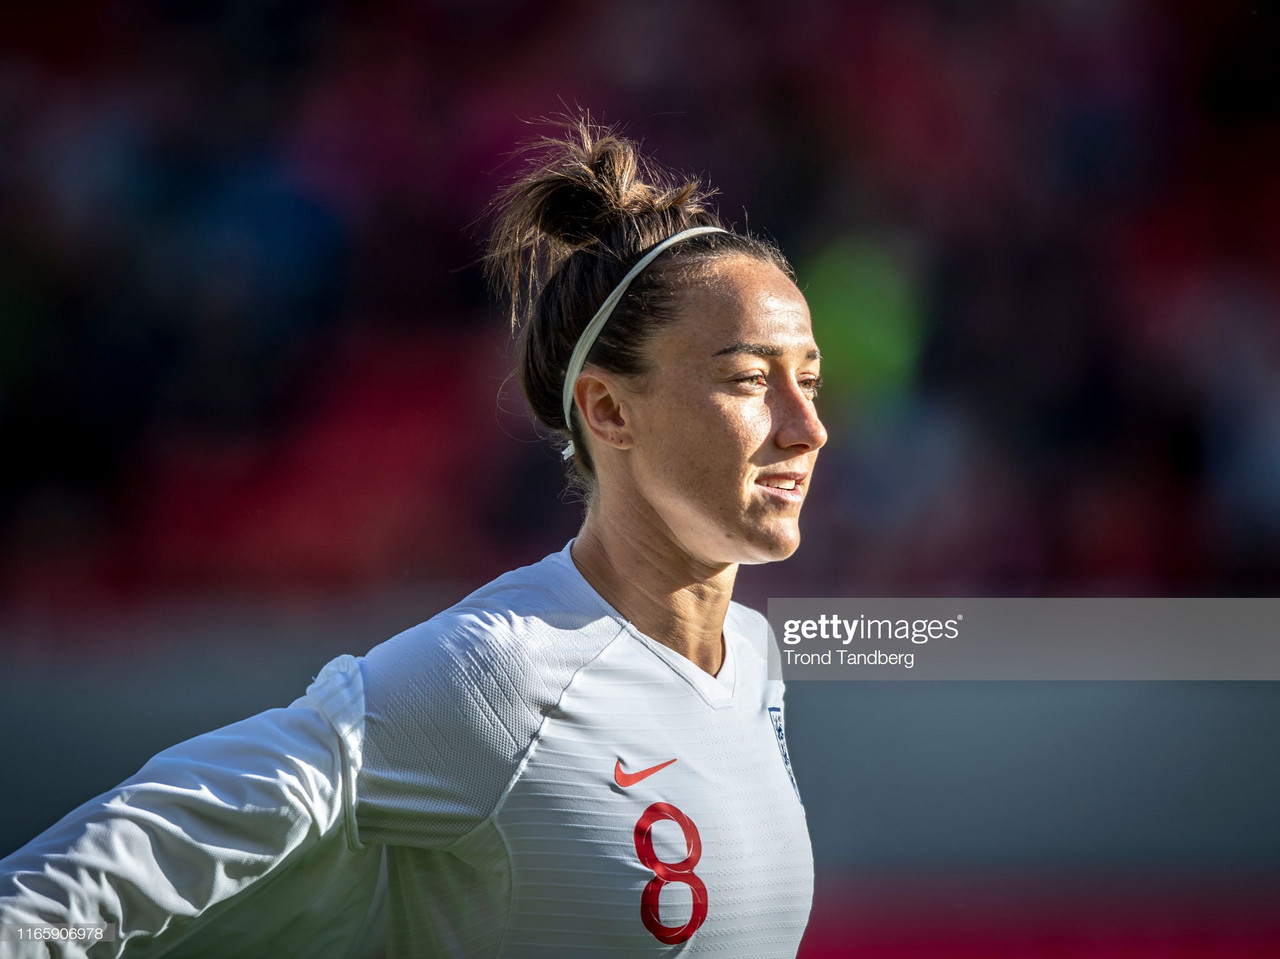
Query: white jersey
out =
(523, 775)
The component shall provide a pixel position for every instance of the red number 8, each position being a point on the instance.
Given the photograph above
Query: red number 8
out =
(665, 872)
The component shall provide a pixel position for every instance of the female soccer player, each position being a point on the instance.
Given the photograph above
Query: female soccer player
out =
(586, 756)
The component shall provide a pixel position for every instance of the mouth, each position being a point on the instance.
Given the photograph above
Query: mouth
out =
(788, 487)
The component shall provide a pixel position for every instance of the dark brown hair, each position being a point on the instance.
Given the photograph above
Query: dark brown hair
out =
(567, 232)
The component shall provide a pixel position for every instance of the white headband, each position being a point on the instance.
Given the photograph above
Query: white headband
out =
(592, 332)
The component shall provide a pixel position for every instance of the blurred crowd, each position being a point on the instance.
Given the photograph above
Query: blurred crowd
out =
(245, 345)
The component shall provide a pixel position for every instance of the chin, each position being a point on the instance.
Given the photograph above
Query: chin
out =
(771, 549)
(743, 544)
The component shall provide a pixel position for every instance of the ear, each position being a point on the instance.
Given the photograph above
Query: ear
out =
(602, 406)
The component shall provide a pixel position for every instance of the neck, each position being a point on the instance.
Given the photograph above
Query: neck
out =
(643, 573)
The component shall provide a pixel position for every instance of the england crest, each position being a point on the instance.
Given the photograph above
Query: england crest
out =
(775, 715)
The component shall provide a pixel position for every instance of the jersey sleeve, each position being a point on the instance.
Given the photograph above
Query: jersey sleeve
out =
(200, 829)
(446, 724)
(452, 707)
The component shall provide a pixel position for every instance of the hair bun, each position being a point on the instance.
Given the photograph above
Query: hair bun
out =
(595, 181)
(588, 188)
(573, 211)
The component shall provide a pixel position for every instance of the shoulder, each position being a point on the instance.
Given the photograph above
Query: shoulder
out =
(443, 713)
(542, 619)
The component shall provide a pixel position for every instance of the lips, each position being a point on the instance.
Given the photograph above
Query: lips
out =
(788, 486)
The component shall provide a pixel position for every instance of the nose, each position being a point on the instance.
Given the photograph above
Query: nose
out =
(799, 428)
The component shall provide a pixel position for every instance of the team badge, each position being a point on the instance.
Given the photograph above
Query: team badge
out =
(775, 715)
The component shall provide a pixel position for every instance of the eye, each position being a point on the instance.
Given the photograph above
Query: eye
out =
(811, 385)
(752, 379)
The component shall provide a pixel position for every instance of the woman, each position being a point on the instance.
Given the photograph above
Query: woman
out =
(585, 757)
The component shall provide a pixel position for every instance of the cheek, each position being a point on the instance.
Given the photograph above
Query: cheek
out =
(745, 428)
(757, 425)
(702, 442)
(727, 446)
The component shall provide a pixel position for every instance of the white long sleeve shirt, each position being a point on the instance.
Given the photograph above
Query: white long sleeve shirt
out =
(523, 775)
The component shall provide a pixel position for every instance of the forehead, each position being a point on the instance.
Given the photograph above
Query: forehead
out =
(739, 300)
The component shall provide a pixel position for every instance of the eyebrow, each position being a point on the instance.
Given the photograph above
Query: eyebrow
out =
(762, 349)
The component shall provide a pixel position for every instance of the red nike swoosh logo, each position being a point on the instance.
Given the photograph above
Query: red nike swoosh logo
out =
(630, 779)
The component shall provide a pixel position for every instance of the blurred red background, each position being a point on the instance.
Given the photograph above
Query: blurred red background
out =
(247, 362)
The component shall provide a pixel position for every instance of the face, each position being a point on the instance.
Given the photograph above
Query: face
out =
(723, 429)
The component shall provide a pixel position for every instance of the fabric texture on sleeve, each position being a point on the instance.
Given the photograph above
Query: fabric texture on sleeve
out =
(185, 856)
(452, 705)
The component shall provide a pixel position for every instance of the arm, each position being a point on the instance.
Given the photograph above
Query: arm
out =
(213, 819)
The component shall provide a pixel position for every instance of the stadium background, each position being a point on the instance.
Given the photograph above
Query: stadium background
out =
(254, 412)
